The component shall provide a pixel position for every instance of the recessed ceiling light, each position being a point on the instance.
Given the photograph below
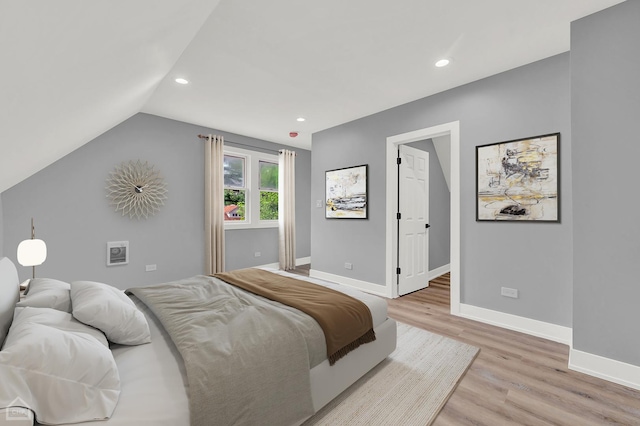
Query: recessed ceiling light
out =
(182, 81)
(300, 119)
(442, 63)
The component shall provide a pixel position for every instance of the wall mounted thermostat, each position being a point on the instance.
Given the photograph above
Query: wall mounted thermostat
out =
(117, 253)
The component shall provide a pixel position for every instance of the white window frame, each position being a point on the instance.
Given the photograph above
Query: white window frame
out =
(252, 189)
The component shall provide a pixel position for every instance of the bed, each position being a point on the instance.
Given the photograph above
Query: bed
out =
(153, 378)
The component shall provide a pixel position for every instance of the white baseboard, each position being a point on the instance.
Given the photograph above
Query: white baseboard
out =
(378, 290)
(605, 368)
(583, 362)
(556, 333)
(435, 273)
(299, 261)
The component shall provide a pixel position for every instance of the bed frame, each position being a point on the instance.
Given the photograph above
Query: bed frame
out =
(9, 296)
(327, 382)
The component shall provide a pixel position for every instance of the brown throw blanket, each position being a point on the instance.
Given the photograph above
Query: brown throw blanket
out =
(346, 321)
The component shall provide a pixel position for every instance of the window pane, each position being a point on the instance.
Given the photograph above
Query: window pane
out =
(268, 176)
(234, 202)
(233, 171)
(268, 205)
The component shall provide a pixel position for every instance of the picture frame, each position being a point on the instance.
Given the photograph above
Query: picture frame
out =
(519, 180)
(346, 193)
(117, 253)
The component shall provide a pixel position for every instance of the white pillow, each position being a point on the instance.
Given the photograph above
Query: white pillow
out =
(47, 293)
(60, 368)
(110, 310)
(36, 285)
(59, 320)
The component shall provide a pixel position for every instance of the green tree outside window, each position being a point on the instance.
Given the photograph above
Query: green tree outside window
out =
(268, 191)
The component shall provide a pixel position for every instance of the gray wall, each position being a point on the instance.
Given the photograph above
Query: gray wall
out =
(1, 230)
(606, 104)
(439, 208)
(534, 258)
(72, 214)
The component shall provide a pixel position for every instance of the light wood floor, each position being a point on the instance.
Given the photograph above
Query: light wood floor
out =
(516, 379)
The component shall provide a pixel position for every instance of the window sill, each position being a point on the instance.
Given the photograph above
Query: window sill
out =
(263, 225)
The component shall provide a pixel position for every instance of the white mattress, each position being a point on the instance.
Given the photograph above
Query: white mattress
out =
(153, 379)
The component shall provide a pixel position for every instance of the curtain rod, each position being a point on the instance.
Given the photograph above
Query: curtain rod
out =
(244, 144)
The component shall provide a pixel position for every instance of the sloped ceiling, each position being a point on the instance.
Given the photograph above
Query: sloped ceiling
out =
(72, 69)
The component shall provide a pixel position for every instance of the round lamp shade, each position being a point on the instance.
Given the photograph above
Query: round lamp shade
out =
(32, 252)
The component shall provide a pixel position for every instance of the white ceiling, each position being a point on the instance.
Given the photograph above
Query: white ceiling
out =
(72, 69)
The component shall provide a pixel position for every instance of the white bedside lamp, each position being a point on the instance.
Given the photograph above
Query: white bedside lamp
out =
(32, 252)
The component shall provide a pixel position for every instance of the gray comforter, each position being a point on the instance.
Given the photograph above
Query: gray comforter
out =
(247, 358)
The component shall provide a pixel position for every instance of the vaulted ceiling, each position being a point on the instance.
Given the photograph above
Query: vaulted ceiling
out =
(73, 69)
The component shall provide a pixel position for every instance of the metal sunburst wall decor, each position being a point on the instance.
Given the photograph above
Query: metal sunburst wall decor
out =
(136, 189)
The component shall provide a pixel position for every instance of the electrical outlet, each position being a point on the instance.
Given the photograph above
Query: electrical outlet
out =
(257, 254)
(319, 204)
(509, 292)
(150, 268)
(348, 265)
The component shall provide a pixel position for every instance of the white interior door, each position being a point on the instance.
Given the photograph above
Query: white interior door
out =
(413, 224)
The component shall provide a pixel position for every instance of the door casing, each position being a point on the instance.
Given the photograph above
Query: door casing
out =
(451, 129)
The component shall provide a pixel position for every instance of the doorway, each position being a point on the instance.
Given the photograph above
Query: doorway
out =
(452, 130)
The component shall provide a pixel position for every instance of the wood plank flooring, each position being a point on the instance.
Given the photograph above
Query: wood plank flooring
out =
(516, 379)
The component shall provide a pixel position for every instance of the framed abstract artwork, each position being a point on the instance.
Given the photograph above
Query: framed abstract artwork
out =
(346, 193)
(519, 180)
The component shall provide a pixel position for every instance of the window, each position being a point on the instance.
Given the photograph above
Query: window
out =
(268, 190)
(234, 187)
(250, 189)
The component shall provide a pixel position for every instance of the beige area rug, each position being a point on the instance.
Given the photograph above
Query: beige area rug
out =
(408, 388)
